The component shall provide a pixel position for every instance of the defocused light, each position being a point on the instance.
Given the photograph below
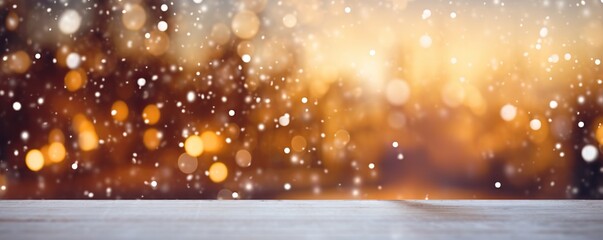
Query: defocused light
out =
(56, 152)
(243, 158)
(193, 146)
(245, 24)
(218, 172)
(34, 160)
(119, 110)
(151, 114)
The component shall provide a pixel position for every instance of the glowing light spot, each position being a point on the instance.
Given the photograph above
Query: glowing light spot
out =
(69, 21)
(535, 124)
(284, 120)
(553, 104)
(56, 152)
(16, 106)
(133, 17)
(371, 166)
(88, 140)
(246, 58)
(426, 14)
(75, 79)
(34, 160)
(590, 153)
(508, 112)
(245, 24)
(497, 185)
(187, 163)
(425, 41)
(218, 172)
(544, 32)
(152, 138)
(73, 60)
(342, 137)
(298, 143)
(193, 146)
(397, 92)
(162, 26)
(287, 186)
(119, 111)
(211, 141)
(243, 158)
(151, 114)
(289, 20)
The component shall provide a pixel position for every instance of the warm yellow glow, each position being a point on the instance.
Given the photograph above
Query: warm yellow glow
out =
(74, 80)
(245, 24)
(133, 17)
(298, 143)
(119, 110)
(342, 137)
(599, 134)
(211, 141)
(88, 140)
(151, 138)
(218, 172)
(151, 114)
(34, 160)
(243, 158)
(193, 146)
(56, 152)
(157, 43)
(19, 62)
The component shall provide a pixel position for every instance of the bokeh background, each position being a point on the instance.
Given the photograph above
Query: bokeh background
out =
(301, 99)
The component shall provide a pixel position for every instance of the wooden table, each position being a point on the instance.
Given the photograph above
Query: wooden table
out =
(254, 219)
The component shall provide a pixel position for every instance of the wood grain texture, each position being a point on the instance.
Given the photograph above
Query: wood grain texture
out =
(291, 219)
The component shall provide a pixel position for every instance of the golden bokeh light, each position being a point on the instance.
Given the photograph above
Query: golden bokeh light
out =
(151, 114)
(56, 152)
(119, 111)
(193, 145)
(75, 79)
(152, 138)
(34, 160)
(245, 24)
(218, 172)
(134, 17)
(298, 143)
(19, 62)
(88, 140)
(157, 43)
(211, 141)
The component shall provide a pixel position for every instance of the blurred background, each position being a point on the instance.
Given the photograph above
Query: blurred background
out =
(301, 99)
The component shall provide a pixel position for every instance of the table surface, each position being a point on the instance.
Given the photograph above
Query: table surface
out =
(301, 219)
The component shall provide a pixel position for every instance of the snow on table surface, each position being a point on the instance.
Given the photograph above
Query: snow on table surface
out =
(294, 219)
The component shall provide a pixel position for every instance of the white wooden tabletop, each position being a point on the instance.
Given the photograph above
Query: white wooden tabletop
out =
(300, 219)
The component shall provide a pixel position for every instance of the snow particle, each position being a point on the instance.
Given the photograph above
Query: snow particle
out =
(17, 106)
(70, 21)
(426, 14)
(141, 82)
(508, 112)
(553, 104)
(590, 153)
(246, 58)
(73, 60)
(543, 32)
(535, 124)
(425, 41)
(162, 26)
